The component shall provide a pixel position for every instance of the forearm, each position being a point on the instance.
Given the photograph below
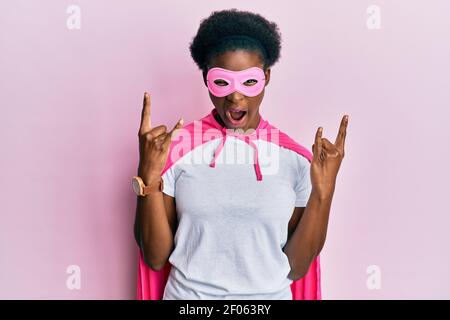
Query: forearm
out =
(152, 230)
(309, 235)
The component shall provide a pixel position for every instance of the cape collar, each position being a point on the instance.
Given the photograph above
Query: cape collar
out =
(248, 138)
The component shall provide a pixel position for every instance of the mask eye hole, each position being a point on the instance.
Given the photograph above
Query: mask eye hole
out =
(250, 82)
(221, 82)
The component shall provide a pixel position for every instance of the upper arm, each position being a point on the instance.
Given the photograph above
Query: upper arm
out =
(295, 219)
(302, 189)
(171, 212)
(170, 177)
(302, 185)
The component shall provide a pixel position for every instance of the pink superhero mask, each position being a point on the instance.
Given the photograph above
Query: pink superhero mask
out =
(231, 81)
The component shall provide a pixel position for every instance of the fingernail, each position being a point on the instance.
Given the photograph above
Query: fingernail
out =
(181, 121)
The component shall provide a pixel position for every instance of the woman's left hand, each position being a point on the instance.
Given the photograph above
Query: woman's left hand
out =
(327, 158)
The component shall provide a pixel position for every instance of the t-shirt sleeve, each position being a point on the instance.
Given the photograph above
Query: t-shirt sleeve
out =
(303, 182)
(169, 178)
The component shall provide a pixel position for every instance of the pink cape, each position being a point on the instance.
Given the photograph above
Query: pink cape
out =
(150, 283)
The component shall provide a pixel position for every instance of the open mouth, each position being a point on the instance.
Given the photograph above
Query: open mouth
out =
(236, 117)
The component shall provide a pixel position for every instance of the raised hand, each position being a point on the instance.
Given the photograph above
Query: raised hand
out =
(154, 144)
(327, 158)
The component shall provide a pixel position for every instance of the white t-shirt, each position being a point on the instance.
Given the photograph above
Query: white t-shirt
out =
(232, 227)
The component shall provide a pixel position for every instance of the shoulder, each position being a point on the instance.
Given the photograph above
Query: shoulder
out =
(190, 136)
(286, 141)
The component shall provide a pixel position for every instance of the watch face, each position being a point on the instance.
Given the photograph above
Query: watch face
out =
(136, 186)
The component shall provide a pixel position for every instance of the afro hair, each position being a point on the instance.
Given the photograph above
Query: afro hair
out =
(231, 29)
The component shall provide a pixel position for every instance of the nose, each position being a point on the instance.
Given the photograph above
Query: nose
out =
(235, 96)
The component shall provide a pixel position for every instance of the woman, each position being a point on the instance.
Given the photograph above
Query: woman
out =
(232, 229)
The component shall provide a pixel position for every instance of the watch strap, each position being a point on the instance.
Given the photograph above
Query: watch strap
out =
(153, 187)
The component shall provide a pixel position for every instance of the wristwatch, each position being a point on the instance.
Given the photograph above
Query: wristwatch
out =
(142, 190)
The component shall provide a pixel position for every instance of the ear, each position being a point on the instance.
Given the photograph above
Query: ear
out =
(267, 74)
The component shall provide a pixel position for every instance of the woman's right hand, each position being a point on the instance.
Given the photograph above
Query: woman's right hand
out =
(154, 144)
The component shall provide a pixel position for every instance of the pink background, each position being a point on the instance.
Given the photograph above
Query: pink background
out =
(70, 110)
